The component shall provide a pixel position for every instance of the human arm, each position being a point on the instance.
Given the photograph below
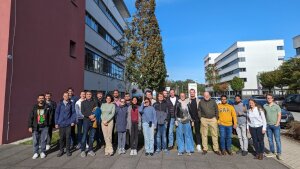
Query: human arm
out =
(57, 113)
(233, 114)
(278, 116)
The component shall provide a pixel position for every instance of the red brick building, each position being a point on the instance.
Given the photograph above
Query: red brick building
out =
(41, 49)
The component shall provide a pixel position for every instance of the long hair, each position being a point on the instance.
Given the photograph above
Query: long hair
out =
(256, 105)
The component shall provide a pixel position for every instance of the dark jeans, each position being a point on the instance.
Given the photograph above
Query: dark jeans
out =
(99, 135)
(134, 136)
(79, 130)
(88, 130)
(273, 130)
(64, 137)
(39, 136)
(49, 137)
(197, 131)
(225, 137)
(73, 136)
(258, 139)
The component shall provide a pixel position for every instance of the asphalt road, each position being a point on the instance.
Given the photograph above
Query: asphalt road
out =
(296, 115)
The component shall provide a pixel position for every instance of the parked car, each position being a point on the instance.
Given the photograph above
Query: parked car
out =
(279, 100)
(258, 97)
(200, 97)
(286, 116)
(292, 102)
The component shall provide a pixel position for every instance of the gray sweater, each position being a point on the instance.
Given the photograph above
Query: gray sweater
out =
(240, 108)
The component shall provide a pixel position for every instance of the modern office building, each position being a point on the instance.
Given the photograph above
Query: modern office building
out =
(53, 45)
(104, 27)
(209, 59)
(246, 59)
(296, 44)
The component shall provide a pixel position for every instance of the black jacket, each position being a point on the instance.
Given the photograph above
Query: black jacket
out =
(52, 105)
(87, 108)
(183, 115)
(162, 114)
(172, 109)
(33, 117)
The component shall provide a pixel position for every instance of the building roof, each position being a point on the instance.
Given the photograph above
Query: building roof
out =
(121, 6)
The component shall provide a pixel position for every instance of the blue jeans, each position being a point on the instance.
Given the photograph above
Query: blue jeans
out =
(79, 130)
(88, 130)
(39, 136)
(225, 137)
(184, 138)
(171, 132)
(149, 137)
(161, 137)
(273, 130)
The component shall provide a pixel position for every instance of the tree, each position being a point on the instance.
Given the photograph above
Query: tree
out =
(224, 87)
(182, 86)
(212, 75)
(267, 80)
(291, 73)
(237, 84)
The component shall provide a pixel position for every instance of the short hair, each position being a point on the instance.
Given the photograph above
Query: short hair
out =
(149, 91)
(83, 92)
(193, 90)
(239, 96)
(88, 91)
(41, 95)
(160, 93)
(172, 89)
(70, 88)
(127, 93)
(116, 90)
(48, 93)
(148, 100)
(65, 93)
(270, 94)
(224, 96)
(99, 92)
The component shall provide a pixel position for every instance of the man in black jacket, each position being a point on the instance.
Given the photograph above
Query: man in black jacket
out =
(172, 103)
(38, 123)
(52, 106)
(87, 108)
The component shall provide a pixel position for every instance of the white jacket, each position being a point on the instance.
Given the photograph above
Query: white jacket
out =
(256, 118)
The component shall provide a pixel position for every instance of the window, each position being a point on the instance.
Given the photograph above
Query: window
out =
(93, 24)
(298, 51)
(97, 64)
(72, 49)
(242, 59)
(242, 69)
(245, 79)
(241, 49)
(279, 47)
(231, 54)
(235, 71)
(280, 58)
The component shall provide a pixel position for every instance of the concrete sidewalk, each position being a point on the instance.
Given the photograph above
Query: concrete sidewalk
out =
(19, 156)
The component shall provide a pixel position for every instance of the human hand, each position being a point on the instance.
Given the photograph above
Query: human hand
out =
(91, 117)
(263, 131)
(176, 123)
(30, 130)
(72, 124)
(235, 126)
(56, 126)
(193, 124)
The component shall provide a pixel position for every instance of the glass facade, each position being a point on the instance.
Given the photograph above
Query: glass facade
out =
(235, 71)
(93, 24)
(97, 64)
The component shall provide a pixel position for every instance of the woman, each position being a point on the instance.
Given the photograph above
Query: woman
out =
(257, 125)
(161, 109)
(149, 124)
(134, 125)
(121, 123)
(184, 131)
(108, 112)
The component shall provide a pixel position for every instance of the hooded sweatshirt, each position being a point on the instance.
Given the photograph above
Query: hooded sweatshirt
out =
(227, 115)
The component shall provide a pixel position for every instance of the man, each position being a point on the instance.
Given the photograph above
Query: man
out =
(65, 118)
(38, 123)
(73, 100)
(79, 118)
(127, 99)
(172, 103)
(88, 107)
(227, 120)
(52, 106)
(150, 96)
(165, 94)
(241, 129)
(273, 117)
(193, 104)
(116, 97)
(100, 99)
(208, 111)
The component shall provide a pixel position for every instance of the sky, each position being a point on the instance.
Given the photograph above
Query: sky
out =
(191, 29)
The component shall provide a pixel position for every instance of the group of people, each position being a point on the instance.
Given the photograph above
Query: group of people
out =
(82, 121)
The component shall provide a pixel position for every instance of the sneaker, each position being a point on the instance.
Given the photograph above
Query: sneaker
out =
(166, 151)
(204, 152)
(180, 154)
(43, 155)
(217, 152)
(91, 153)
(229, 152)
(47, 147)
(60, 153)
(35, 156)
(151, 154)
(69, 154)
(269, 155)
(132, 152)
(244, 153)
(157, 151)
(135, 152)
(78, 146)
(119, 151)
(146, 154)
(170, 148)
(188, 154)
(278, 156)
(123, 151)
(223, 152)
(199, 148)
(83, 154)
(240, 151)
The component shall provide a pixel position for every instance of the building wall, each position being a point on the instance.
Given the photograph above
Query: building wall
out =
(5, 7)
(42, 60)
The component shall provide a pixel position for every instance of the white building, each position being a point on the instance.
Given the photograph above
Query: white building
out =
(209, 59)
(296, 44)
(104, 27)
(246, 59)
